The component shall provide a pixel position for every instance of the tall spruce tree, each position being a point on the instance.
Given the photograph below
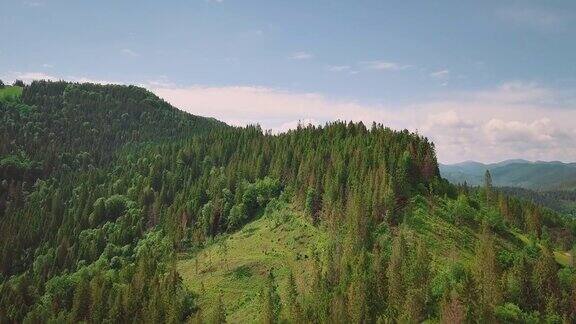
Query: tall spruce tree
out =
(486, 274)
(488, 185)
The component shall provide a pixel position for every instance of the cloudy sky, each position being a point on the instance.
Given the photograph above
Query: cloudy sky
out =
(485, 80)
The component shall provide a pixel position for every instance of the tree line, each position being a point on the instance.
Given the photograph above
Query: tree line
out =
(103, 185)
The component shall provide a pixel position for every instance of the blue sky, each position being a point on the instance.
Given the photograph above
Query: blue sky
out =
(486, 80)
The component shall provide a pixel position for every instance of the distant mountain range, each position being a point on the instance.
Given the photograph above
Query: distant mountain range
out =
(537, 175)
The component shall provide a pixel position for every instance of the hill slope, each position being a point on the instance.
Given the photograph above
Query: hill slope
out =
(514, 173)
(235, 267)
(57, 124)
(359, 216)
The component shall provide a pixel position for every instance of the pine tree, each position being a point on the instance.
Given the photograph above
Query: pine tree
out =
(98, 293)
(396, 274)
(380, 280)
(418, 282)
(545, 281)
(533, 221)
(81, 304)
(219, 312)
(294, 311)
(312, 204)
(573, 256)
(519, 283)
(505, 209)
(486, 274)
(270, 301)
(358, 291)
(488, 186)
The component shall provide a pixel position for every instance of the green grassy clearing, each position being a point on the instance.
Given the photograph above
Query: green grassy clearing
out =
(238, 264)
(10, 93)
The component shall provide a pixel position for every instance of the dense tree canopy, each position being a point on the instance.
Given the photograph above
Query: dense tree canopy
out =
(101, 186)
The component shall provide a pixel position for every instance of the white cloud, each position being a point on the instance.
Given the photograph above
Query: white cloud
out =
(301, 56)
(28, 77)
(161, 82)
(385, 66)
(512, 120)
(338, 68)
(534, 17)
(129, 52)
(516, 92)
(440, 74)
(272, 108)
(541, 131)
(446, 119)
(92, 80)
(35, 4)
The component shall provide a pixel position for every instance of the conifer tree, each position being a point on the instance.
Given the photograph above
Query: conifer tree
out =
(219, 312)
(488, 186)
(545, 281)
(81, 304)
(573, 256)
(519, 283)
(358, 291)
(380, 280)
(270, 301)
(293, 309)
(396, 274)
(486, 274)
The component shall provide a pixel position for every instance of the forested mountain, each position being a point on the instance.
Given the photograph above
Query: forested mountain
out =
(119, 208)
(515, 173)
(563, 201)
(59, 125)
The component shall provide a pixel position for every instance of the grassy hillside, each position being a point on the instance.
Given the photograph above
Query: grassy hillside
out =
(117, 207)
(10, 93)
(236, 266)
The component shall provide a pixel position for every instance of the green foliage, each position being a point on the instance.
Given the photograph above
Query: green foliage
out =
(17, 167)
(9, 93)
(312, 203)
(270, 299)
(115, 206)
(511, 313)
(242, 272)
(103, 188)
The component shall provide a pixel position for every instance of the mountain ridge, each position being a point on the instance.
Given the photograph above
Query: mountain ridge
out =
(196, 223)
(535, 175)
